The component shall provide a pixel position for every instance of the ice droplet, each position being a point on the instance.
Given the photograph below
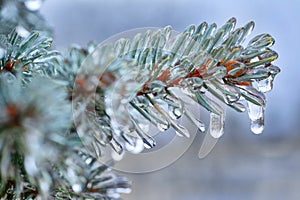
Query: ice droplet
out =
(33, 5)
(181, 130)
(256, 115)
(197, 122)
(77, 188)
(163, 126)
(136, 147)
(149, 142)
(216, 125)
(200, 125)
(238, 106)
(265, 85)
(22, 31)
(174, 112)
(257, 126)
(232, 94)
(116, 146)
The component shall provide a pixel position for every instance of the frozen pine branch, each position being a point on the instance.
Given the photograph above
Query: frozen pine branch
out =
(22, 15)
(134, 81)
(117, 90)
(33, 129)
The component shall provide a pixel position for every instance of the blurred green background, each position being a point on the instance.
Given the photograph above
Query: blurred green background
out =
(242, 165)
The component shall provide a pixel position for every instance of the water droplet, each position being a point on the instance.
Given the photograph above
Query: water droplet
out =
(216, 125)
(33, 5)
(256, 115)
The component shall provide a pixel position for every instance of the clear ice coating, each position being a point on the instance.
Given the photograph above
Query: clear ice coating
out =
(216, 127)
(202, 62)
(256, 115)
(33, 5)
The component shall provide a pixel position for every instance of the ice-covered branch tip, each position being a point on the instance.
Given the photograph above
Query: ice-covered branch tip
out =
(134, 81)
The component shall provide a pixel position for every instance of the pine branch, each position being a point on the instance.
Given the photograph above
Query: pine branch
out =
(32, 127)
(140, 75)
(23, 15)
(120, 88)
(29, 55)
(83, 177)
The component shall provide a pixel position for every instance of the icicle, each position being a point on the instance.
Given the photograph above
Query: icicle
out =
(216, 127)
(256, 115)
(197, 122)
(157, 119)
(266, 85)
(180, 130)
(207, 146)
(148, 141)
(33, 5)
(116, 146)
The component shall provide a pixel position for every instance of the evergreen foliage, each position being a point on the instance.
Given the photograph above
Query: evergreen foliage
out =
(116, 90)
